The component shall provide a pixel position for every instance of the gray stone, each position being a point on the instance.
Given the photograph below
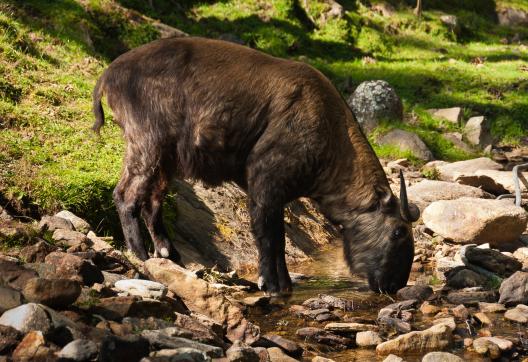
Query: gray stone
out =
(70, 237)
(27, 317)
(241, 352)
(142, 288)
(52, 223)
(9, 299)
(518, 314)
(450, 171)
(477, 131)
(374, 101)
(163, 339)
(471, 297)
(512, 17)
(407, 141)
(514, 290)
(79, 350)
(478, 221)
(452, 115)
(417, 292)
(183, 354)
(368, 339)
(78, 223)
(441, 357)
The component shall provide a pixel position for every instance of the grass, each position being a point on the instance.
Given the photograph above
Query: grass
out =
(51, 54)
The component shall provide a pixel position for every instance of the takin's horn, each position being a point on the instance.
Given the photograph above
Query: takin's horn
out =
(410, 212)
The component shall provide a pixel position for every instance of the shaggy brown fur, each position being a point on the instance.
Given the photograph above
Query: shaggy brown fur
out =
(216, 111)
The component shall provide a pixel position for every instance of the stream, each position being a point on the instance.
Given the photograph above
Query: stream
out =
(328, 274)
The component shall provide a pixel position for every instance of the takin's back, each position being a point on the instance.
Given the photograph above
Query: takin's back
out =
(213, 103)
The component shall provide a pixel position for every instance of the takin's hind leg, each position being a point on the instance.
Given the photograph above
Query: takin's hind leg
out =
(152, 215)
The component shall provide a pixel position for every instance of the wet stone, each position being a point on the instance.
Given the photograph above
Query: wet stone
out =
(491, 307)
(518, 314)
(277, 355)
(471, 297)
(258, 301)
(393, 358)
(368, 339)
(323, 301)
(441, 357)
(485, 347)
(319, 335)
(460, 278)
(290, 347)
(438, 337)
(164, 339)
(429, 309)
(482, 318)
(460, 312)
(394, 324)
(183, 354)
(514, 290)
(417, 292)
(350, 327)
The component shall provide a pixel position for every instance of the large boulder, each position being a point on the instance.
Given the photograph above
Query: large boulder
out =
(477, 131)
(425, 192)
(374, 101)
(203, 298)
(407, 141)
(438, 337)
(450, 171)
(514, 290)
(476, 221)
(503, 179)
(518, 314)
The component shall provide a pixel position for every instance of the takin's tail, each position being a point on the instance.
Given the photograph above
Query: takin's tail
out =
(97, 107)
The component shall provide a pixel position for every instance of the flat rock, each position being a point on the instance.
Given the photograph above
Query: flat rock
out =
(164, 339)
(518, 314)
(492, 260)
(277, 355)
(368, 339)
(290, 347)
(55, 293)
(425, 192)
(52, 223)
(79, 350)
(491, 307)
(470, 298)
(73, 267)
(117, 308)
(324, 301)
(69, 237)
(452, 115)
(502, 178)
(478, 221)
(241, 352)
(258, 301)
(319, 335)
(449, 172)
(180, 354)
(142, 288)
(438, 337)
(483, 182)
(514, 290)
(393, 358)
(200, 297)
(350, 327)
(407, 141)
(417, 292)
(441, 357)
(78, 223)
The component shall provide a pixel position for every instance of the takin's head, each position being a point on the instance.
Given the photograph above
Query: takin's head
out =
(379, 241)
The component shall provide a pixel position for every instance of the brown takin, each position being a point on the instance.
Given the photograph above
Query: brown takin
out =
(194, 108)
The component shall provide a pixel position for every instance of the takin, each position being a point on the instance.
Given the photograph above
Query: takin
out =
(195, 108)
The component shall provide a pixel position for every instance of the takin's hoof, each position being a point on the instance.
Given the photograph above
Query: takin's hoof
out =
(270, 289)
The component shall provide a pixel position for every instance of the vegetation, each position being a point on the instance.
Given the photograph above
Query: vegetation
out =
(51, 54)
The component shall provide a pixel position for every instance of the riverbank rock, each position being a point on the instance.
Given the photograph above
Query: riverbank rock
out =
(319, 335)
(460, 278)
(491, 307)
(375, 101)
(438, 337)
(482, 182)
(277, 355)
(416, 292)
(36, 253)
(471, 297)
(14, 275)
(441, 357)
(471, 220)
(450, 171)
(350, 327)
(518, 314)
(514, 290)
(52, 223)
(425, 192)
(490, 259)
(407, 141)
(368, 339)
(169, 338)
(55, 293)
(512, 17)
(32, 348)
(141, 288)
(200, 297)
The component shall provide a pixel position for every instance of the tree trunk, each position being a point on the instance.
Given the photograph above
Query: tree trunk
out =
(418, 8)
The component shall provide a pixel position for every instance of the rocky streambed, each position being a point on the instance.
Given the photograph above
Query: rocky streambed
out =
(69, 295)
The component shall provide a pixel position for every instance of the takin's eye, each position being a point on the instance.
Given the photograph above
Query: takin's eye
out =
(399, 233)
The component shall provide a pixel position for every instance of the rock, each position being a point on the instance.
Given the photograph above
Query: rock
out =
(167, 339)
(450, 171)
(460, 312)
(183, 354)
(200, 331)
(277, 355)
(97, 243)
(70, 237)
(350, 327)
(502, 179)
(241, 352)
(324, 301)
(78, 223)
(9, 299)
(482, 318)
(456, 139)
(385, 9)
(425, 192)
(521, 254)
(471, 220)
(484, 347)
(447, 321)
(407, 141)
(483, 182)
(437, 337)
(52, 223)
(37, 252)
(464, 278)
(258, 301)
(14, 275)
(27, 317)
(290, 347)
(368, 339)
(518, 314)
(393, 358)
(200, 297)
(117, 308)
(55, 293)
(512, 17)
(73, 267)
(514, 290)
(417, 292)
(321, 359)
(9, 338)
(393, 325)
(491, 307)
(128, 348)
(319, 335)
(477, 131)
(375, 101)
(471, 297)
(492, 260)
(452, 115)
(441, 357)
(429, 309)
(142, 288)
(4, 215)
(32, 348)
(450, 21)
(445, 264)
(79, 350)
(111, 278)
(395, 308)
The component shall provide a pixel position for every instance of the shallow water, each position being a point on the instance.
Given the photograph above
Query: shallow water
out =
(329, 275)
